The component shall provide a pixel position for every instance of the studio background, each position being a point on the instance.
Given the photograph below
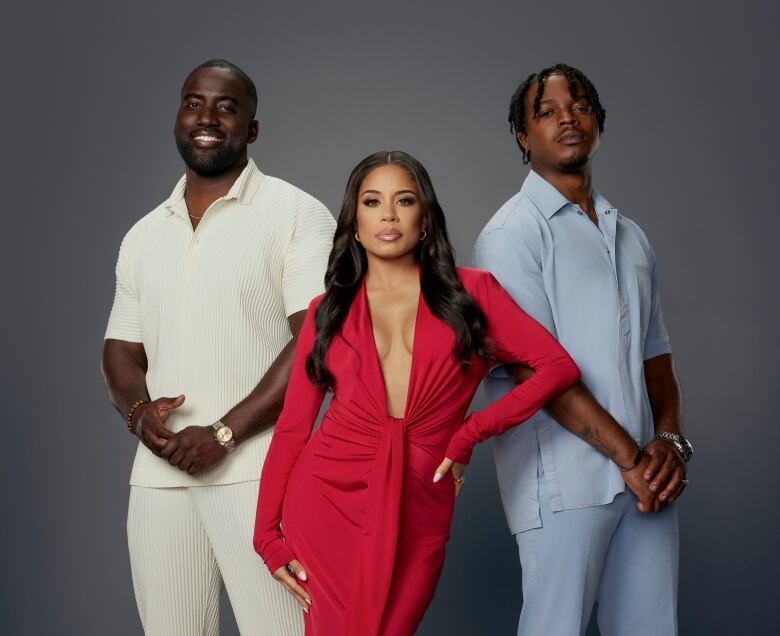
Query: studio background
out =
(90, 91)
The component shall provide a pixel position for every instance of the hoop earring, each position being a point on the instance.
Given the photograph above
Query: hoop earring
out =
(357, 238)
(423, 235)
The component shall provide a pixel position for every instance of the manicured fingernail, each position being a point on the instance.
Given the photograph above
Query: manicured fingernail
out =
(662, 496)
(308, 600)
(437, 477)
(653, 487)
(302, 575)
(647, 475)
(306, 609)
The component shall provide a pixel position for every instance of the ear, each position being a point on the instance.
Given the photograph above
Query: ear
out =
(522, 139)
(254, 131)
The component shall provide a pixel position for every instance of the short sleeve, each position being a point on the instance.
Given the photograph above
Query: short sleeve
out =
(306, 258)
(517, 266)
(124, 323)
(518, 269)
(657, 340)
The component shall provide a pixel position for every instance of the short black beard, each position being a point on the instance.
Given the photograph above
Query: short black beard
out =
(214, 163)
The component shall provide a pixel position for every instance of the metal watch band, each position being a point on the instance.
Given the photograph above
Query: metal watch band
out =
(681, 445)
(230, 445)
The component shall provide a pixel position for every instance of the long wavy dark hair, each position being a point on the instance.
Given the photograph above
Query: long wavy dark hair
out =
(441, 288)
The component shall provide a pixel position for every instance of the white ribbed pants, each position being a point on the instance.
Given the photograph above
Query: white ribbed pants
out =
(184, 543)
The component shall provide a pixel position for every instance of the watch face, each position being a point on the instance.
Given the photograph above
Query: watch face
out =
(224, 435)
(687, 448)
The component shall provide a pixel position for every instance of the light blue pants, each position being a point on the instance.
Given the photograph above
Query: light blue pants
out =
(613, 554)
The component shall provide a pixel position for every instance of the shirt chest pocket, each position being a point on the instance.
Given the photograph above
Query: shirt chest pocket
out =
(634, 299)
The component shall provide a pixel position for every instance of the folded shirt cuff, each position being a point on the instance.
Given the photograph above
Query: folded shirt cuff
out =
(277, 554)
(461, 444)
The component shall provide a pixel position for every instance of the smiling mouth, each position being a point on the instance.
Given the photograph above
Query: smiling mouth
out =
(207, 140)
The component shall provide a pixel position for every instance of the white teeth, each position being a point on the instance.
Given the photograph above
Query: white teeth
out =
(203, 138)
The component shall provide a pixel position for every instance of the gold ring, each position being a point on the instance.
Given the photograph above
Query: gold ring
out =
(685, 482)
(459, 480)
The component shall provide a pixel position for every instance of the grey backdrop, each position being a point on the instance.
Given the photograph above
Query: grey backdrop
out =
(89, 96)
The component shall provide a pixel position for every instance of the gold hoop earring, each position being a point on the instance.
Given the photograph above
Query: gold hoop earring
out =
(423, 235)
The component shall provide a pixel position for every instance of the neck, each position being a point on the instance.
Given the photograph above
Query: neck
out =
(206, 190)
(575, 186)
(387, 273)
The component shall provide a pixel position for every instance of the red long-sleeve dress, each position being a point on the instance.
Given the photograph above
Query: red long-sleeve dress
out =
(355, 502)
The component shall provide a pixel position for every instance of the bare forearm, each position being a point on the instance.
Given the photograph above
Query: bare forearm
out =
(578, 412)
(123, 366)
(663, 389)
(259, 410)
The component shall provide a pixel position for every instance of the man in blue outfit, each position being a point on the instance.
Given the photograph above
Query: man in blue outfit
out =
(586, 272)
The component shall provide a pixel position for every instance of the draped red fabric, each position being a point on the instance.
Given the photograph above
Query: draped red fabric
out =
(355, 501)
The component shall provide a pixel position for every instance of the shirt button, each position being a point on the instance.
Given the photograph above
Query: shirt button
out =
(607, 212)
(579, 212)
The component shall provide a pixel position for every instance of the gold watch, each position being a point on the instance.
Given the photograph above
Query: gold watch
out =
(224, 436)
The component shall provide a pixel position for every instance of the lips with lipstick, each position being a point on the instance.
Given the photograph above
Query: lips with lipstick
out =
(388, 234)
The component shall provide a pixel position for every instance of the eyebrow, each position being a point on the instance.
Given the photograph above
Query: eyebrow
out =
(576, 98)
(221, 98)
(378, 192)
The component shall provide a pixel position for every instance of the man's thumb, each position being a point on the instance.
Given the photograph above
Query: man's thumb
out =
(169, 404)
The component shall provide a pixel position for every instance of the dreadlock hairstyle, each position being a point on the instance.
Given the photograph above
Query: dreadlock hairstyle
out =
(251, 90)
(517, 123)
(441, 288)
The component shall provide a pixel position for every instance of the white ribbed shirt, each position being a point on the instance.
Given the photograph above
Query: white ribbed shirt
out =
(210, 306)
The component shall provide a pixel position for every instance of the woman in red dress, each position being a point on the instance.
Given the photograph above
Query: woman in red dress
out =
(353, 518)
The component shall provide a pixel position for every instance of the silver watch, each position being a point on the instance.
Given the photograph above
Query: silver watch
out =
(682, 445)
(224, 436)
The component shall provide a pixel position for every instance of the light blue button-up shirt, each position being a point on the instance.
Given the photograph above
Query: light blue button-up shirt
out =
(594, 288)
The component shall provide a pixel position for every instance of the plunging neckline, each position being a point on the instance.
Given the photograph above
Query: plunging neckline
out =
(378, 360)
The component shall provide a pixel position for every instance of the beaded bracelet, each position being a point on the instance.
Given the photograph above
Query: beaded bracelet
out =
(130, 414)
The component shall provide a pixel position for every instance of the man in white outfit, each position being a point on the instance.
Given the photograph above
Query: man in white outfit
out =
(211, 290)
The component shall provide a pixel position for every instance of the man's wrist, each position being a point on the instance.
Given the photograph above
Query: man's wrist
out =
(224, 436)
(131, 415)
(634, 462)
(681, 445)
(626, 452)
